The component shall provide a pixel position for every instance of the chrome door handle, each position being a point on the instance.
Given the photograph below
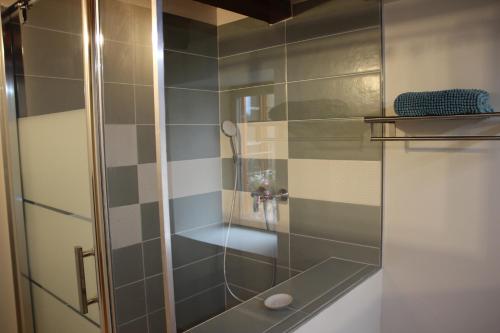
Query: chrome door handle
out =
(83, 301)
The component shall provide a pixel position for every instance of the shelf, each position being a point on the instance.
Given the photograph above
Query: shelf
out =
(395, 119)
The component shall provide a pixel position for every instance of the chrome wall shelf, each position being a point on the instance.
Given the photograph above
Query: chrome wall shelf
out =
(395, 119)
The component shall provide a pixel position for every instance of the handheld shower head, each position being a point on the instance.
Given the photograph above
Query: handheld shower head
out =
(230, 130)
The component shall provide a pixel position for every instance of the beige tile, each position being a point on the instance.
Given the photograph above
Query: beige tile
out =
(193, 177)
(121, 145)
(357, 182)
(148, 182)
(125, 224)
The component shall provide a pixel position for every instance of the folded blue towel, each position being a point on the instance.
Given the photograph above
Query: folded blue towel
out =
(443, 103)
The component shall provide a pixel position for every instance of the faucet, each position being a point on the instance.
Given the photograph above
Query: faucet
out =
(262, 195)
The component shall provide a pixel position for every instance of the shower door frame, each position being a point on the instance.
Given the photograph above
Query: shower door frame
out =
(94, 108)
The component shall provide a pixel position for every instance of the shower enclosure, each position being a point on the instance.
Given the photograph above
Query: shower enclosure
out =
(173, 165)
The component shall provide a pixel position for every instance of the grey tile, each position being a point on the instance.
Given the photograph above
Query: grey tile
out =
(291, 322)
(130, 302)
(306, 252)
(125, 226)
(355, 96)
(146, 146)
(197, 277)
(137, 326)
(143, 65)
(190, 71)
(118, 103)
(186, 250)
(150, 217)
(332, 140)
(50, 53)
(120, 145)
(191, 106)
(144, 105)
(190, 142)
(266, 103)
(127, 265)
(122, 186)
(200, 308)
(313, 283)
(154, 293)
(147, 182)
(332, 17)
(335, 55)
(241, 293)
(208, 211)
(116, 17)
(142, 25)
(117, 62)
(57, 15)
(38, 95)
(251, 69)
(157, 322)
(254, 173)
(336, 220)
(242, 271)
(250, 317)
(249, 34)
(184, 34)
(152, 257)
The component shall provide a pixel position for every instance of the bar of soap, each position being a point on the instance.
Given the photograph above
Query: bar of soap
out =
(278, 301)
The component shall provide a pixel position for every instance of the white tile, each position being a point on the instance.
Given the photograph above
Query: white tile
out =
(121, 145)
(125, 223)
(244, 214)
(54, 160)
(52, 238)
(53, 316)
(148, 184)
(356, 182)
(191, 177)
(265, 140)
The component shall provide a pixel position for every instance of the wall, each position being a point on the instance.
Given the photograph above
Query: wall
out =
(441, 227)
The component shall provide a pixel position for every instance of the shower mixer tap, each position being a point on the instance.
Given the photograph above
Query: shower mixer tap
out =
(263, 195)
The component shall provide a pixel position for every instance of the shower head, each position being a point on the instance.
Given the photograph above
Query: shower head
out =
(230, 130)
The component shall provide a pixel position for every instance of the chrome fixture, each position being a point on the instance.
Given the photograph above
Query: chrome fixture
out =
(231, 131)
(83, 301)
(262, 195)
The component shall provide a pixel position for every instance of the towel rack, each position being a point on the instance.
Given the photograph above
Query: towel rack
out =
(395, 119)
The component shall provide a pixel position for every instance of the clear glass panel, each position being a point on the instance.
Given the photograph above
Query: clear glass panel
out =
(44, 60)
(303, 217)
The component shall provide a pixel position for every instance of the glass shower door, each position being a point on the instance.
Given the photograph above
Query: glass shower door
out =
(54, 227)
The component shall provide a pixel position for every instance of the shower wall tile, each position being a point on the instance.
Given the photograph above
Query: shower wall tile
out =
(252, 69)
(344, 222)
(332, 140)
(255, 173)
(152, 257)
(116, 17)
(122, 186)
(146, 145)
(57, 15)
(118, 104)
(190, 71)
(157, 322)
(154, 293)
(190, 142)
(185, 178)
(125, 226)
(127, 265)
(208, 211)
(256, 34)
(333, 17)
(143, 65)
(50, 53)
(142, 25)
(191, 106)
(261, 140)
(147, 182)
(265, 103)
(197, 277)
(120, 145)
(118, 60)
(130, 302)
(356, 182)
(187, 35)
(150, 220)
(348, 53)
(353, 96)
(138, 325)
(200, 308)
(187, 250)
(40, 95)
(308, 251)
(144, 105)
